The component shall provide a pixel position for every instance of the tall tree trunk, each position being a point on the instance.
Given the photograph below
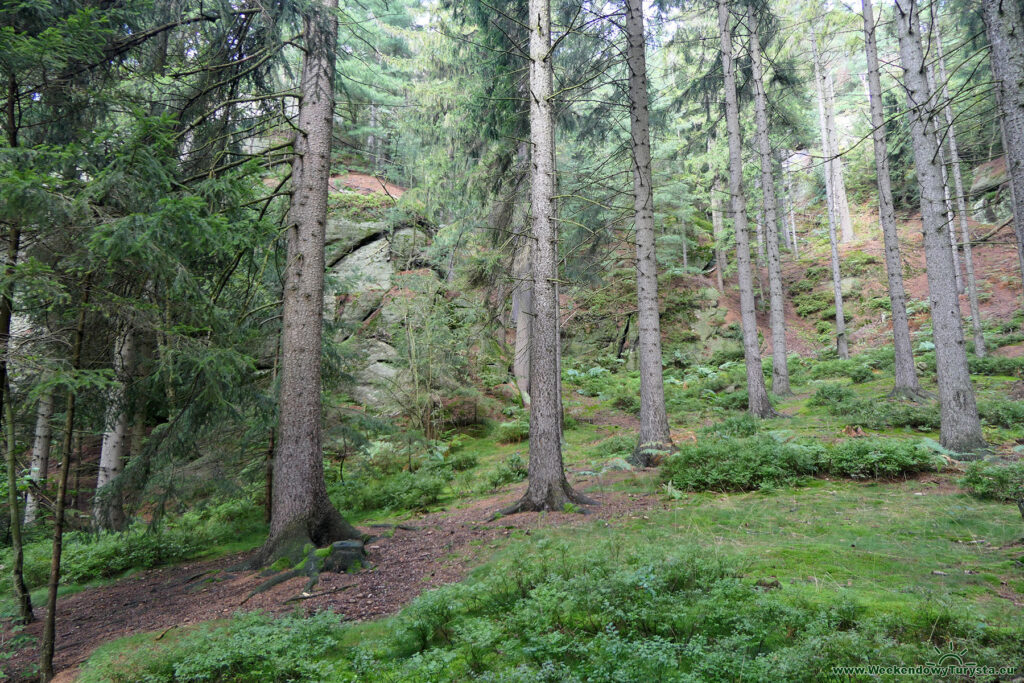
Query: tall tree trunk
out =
(7, 411)
(758, 405)
(654, 432)
(717, 228)
(961, 203)
(40, 463)
(17, 553)
(906, 381)
(838, 182)
(831, 197)
(50, 624)
(780, 368)
(791, 205)
(108, 512)
(301, 511)
(547, 488)
(960, 426)
(1005, 27)
(522, 312)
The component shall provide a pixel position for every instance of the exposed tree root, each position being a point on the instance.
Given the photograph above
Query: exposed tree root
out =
(554, 500)
(912, 395)
(339, 557)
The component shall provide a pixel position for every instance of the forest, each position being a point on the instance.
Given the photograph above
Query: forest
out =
(511, 340)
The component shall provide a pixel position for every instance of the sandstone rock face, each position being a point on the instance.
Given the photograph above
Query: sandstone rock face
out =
(990, 192)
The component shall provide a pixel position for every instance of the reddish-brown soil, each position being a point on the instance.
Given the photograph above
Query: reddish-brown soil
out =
(435, 549)
(366, 184)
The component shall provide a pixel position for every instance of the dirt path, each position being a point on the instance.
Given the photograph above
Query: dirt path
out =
(436, 549)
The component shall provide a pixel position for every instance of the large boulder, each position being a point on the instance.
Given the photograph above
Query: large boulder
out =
(990, 192)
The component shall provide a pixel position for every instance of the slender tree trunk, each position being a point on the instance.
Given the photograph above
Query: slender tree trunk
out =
(960, 427)
(17, 553)
(906, 381)
(108, 512)
(50, 625)
(961, 203)
(838, 183)
(1005, 27)
(654, 432)
(780, 367)
(547, 488)
(686, 245)
(522, 312)
(40, 462)
(791, 205)
(758, 405)
(717, 228)
(301, 511)
(831, 196)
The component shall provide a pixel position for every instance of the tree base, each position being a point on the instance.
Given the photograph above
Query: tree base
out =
(338, 558)
(554, 499)
(292, 543)
(651, 453)
(910, 394)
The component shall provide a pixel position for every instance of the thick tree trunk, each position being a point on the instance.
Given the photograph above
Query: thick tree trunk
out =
(654, 432)
(758, 405)
(108, 512)
(961, 203)
(960, 426)
(832, 198)
(1005, 28)
(50, 624)
(780, 368)
(301, 510)
(906, 381)
(547, 488)
(40, 463)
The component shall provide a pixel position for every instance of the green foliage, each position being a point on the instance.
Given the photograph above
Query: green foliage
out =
(991, 480)
(509, 471)
(1008, 414)
(402, 490)
(834, 397)
(87, 557)
(253, 647)
(512, 432)
(817, 274)
(857, 262)
(567, 612)
(356, 206)
(996, 366)
(731, 464)
(854, 368)
(808, 305)
(878, 458)
(734, 425)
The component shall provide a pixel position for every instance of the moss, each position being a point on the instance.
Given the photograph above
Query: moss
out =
(281, 564)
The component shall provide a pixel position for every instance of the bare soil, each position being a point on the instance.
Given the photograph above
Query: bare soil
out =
(432, 550)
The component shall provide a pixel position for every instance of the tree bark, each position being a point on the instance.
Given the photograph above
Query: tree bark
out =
(1005, 27)
(547, 487)
(108, 512)
(50, 624)
(522, 312)
(40, 463)
(960, 426)
(654, 431)
(780, 367)
(758, 403)
(906, 381)
(961, 203)
(717, 227)
(831, 196)
(301, 511)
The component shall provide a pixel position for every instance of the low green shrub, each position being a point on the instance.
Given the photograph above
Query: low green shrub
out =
(1008, 414)
(871, 414)
(731, 464)
(811, 305)
(512, 432)
(834, 397)
(460, 461)
(88, 557)
(253, 647)
(878, 458)
(620, 445)
(509, 471)
(734, 425)
(996, 366)
(990, 480)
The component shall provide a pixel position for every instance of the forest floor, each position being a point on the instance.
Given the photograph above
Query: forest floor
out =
(422, 553)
